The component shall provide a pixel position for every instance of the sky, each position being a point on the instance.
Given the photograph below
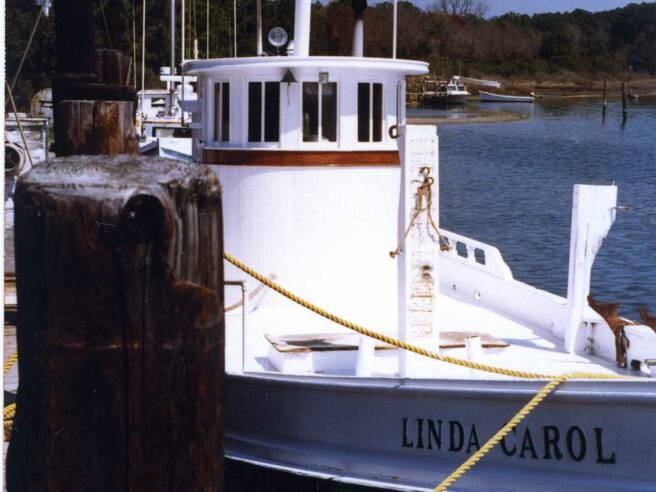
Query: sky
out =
(499, 7)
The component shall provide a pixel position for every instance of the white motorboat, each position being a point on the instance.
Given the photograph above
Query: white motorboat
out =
(164, 114)
(490, 97)
(317, 190)
(453, 92)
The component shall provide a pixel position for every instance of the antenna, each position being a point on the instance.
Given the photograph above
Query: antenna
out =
(277, 37)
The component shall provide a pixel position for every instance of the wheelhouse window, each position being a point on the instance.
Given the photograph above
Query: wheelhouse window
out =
(263, 111)
(319, 112)
(222, 112)
(370, 112)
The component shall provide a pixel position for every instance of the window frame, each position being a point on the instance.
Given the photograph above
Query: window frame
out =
(319, 143)
(219, 131)
(400, 103)
(245, 112)
(383, 113)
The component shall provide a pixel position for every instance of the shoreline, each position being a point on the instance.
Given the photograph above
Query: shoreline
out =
(579, 87)
(482, 117)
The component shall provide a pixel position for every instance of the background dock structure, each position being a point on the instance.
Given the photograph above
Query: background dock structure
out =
(119, 327)
(94, 100)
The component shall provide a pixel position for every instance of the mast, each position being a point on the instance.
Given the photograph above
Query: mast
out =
(358, 6)
(134, 46)
(394, 23)
(234, 26)
(182, 36)
(302, 28)
(207, 29)
(259, 27)
(171, 84)
(143, 53)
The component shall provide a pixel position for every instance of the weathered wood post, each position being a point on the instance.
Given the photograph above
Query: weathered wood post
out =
(604, 104)
(93, 101)
(120, 327)
(625, 110)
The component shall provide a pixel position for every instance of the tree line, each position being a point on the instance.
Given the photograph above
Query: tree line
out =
(451, 38)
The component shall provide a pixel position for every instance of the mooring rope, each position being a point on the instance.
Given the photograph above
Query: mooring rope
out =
(10, 410)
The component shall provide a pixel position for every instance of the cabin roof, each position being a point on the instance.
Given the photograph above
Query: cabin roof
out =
(407, 67)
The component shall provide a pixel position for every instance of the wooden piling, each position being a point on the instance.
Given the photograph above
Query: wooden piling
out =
(85, 75)
(120, 327)
(96, 127)
(604, 103)
(625, 110)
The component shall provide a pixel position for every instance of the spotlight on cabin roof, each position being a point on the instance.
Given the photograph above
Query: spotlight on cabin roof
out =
(277, 37)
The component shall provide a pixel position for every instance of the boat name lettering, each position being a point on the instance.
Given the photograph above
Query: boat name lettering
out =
(548, 442)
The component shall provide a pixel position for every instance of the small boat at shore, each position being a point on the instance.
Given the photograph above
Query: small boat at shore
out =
(490, 97)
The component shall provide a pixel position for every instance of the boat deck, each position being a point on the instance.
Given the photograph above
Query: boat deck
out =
(528, 348)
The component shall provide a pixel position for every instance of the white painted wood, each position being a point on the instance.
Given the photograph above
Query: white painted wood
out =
(474, 348)
(593, 214)
(302, 15)
(418, 261)
(325, 231)
(366, 352)
(358, 38)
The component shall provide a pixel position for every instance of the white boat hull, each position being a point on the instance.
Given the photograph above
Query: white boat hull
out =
(442, 99)
(490, 97)
(386, 432)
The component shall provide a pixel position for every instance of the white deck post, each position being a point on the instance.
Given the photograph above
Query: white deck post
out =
(593, 214)
(418, 261)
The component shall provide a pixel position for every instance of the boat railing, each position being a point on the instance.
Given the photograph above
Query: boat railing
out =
(477, 273)
(243, 284)
(477, 254)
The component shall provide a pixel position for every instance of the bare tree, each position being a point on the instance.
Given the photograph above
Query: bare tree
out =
(461, 8)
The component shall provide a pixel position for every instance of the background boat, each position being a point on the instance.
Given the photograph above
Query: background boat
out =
(490, 97)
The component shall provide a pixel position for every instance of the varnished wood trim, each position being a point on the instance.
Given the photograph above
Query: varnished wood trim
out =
(256, 157)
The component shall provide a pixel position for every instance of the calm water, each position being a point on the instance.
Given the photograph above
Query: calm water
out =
(510, 185)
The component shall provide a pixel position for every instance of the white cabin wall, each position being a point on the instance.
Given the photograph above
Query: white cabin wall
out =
(326, 233)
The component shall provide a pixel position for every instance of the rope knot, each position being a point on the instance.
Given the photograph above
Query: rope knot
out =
(425, 189)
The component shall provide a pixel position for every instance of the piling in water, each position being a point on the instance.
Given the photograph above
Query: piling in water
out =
(625, 110)
(604, 103)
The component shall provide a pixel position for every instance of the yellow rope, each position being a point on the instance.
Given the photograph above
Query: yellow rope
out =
(9, 414)
(11, 360)
(501, 433)
(10, 410)
(425, 189)
(554, 382)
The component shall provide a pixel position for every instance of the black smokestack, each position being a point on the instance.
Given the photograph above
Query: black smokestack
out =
(358, 6)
